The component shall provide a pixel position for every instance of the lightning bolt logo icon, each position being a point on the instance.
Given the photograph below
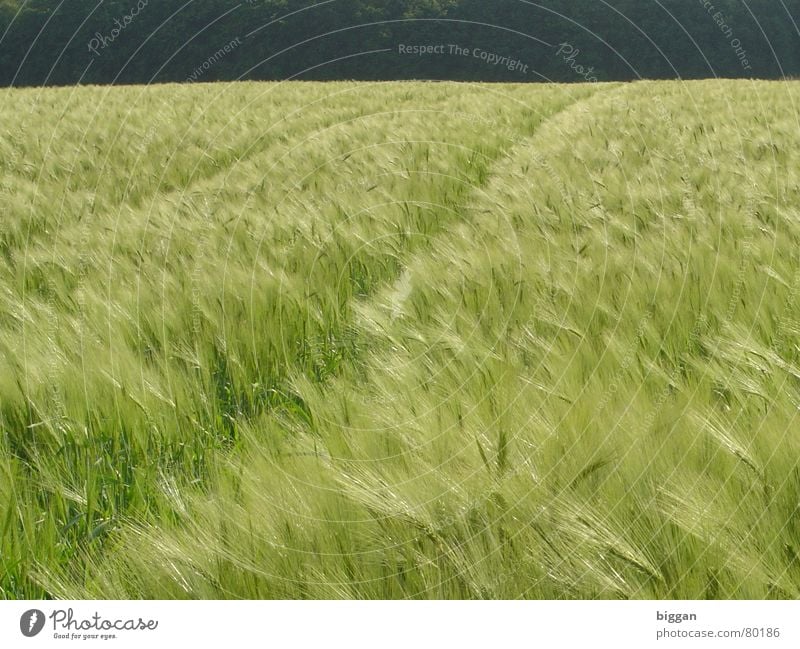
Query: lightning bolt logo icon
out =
(31, 622)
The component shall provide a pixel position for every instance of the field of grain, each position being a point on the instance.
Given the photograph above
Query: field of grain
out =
(400, 340)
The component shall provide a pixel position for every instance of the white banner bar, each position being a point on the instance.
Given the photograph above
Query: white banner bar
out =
(401, 625)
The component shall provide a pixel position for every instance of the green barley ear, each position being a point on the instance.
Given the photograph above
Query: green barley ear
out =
(402, 340)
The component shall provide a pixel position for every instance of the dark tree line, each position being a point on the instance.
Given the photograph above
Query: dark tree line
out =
(142, 41)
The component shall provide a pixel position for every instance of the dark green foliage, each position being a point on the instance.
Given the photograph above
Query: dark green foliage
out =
(207, 40)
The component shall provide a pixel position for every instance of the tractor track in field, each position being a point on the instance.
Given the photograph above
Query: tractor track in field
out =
(477, 193)
(466, 204)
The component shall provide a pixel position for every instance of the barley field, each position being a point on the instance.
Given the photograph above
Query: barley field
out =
(400, 340)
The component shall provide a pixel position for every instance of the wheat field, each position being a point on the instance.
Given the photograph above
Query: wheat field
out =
(400, 340)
